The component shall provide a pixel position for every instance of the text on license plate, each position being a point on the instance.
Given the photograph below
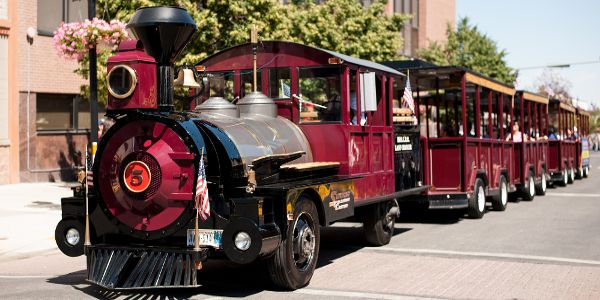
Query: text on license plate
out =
(208, 237)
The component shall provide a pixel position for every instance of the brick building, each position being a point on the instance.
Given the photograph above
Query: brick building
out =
(43, 122)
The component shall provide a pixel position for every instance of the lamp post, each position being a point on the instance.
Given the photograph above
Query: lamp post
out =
(93, 81)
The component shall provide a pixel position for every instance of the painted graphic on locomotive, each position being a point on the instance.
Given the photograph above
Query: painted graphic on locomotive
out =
(275, 170)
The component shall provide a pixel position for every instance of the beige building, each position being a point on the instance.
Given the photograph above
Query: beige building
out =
(429, 23)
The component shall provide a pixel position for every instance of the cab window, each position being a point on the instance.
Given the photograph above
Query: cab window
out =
(320, 90)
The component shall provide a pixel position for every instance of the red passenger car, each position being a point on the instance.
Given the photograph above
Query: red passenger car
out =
(464, 119)
(562, 144)
(530, 113)
(583, 156)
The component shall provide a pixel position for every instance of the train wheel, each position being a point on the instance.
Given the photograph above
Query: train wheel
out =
(541, 188)
(379, 223)
(529, 191)
(69, 236)
(295, 260)
(585, 171)
(499, 201)
(565, 178)
(477, 201)
(571, 175)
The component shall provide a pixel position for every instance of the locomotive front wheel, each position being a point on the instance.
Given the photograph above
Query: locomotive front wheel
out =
(69, 236)
(529, 191)
(541, 188)
(477, 201)
(499, 201)
(379, 223)
(295, 259)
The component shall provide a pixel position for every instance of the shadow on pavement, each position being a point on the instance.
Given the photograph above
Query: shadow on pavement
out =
(226, 279)
(424, 216)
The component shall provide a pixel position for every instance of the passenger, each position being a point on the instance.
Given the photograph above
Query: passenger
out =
(552, 135)
(595, 138)
(516, 134)
(353, 109)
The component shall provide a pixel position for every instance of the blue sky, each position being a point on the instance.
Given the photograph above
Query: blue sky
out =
(540, 33)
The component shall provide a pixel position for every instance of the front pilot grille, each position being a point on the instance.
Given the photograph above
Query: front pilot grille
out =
(126, 268)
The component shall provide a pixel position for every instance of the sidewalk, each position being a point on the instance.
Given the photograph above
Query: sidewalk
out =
(29, 213)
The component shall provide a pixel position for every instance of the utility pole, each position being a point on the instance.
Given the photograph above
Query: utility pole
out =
(93, 81)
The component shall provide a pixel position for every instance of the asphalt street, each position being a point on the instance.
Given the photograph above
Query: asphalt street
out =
(543, 249)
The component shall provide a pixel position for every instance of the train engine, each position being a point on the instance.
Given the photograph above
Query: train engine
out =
(173, 189)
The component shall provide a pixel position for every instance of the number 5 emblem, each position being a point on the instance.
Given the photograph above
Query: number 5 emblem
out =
(137, 176)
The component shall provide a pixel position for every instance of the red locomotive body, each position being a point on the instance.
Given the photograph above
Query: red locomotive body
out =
(254, 178)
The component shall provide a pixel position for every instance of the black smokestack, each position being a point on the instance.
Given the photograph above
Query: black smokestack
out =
(164, 31)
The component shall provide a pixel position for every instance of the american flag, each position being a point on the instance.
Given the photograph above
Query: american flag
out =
(408, 98)
(202, 203)
(89, 174)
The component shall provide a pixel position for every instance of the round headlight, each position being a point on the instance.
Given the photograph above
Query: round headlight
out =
(121, 81)
(72, 237)
(242, 241)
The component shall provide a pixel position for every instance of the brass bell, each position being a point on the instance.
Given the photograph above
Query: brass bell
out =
(185, 78)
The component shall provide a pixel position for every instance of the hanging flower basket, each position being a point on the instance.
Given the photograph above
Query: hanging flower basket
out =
(73, 40)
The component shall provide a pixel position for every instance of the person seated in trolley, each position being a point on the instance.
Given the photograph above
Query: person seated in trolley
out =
(516, 135)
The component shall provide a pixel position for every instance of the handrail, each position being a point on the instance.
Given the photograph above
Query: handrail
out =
(301, 100)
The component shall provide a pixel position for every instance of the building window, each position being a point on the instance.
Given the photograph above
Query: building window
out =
(50, 13)
(63, 112)
(3, 9)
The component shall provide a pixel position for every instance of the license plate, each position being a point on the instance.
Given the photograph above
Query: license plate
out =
(207, 237)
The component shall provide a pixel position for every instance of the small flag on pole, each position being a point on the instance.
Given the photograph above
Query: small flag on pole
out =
(408, 98)
(89, 174)
(202, 203)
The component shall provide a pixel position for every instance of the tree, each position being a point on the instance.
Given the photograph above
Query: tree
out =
(467, 47)
(551, 83)
(339, 25)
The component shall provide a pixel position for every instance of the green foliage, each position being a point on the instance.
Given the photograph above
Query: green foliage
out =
(467, 47)
(339, 25)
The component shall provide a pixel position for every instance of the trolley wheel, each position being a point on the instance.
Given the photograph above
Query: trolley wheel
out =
(565, 178)
(499, 201)
(571, 175)
(294, 261)
(586, 171)
(477, 201)
(540, 189)
(69, 236)
(379, 223)
(579, 173)
(529, 188)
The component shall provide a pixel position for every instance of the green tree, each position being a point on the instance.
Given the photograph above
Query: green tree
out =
(339, 25)
(466, 46)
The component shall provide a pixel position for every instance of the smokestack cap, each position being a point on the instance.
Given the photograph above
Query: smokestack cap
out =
(164, 31)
